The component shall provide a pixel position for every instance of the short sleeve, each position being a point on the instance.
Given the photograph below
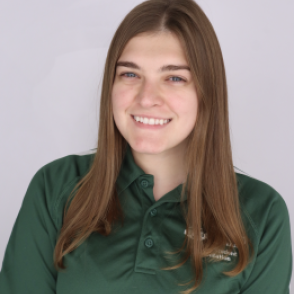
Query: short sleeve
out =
(271, 273)
(28, 266)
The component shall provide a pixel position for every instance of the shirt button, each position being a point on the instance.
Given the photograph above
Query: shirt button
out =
(153, 212)
(148, 243)
(144, 183)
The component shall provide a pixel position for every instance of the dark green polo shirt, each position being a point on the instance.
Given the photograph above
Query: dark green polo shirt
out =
(129, 259)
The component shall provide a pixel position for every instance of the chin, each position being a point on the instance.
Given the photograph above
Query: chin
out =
(147, 147)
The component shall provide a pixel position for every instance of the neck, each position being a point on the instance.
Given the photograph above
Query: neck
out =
(168, 169)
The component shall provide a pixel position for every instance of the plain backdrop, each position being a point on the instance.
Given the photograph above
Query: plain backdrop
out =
(52, 55)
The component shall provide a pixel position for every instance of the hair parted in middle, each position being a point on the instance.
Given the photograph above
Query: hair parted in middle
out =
(211, 186)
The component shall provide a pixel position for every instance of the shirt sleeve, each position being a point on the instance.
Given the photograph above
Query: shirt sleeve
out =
(28, 266)
(271, 273)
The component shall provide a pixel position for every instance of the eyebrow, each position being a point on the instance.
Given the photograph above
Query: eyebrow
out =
(163, 68)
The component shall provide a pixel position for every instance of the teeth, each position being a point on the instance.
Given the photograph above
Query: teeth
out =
(151, 121)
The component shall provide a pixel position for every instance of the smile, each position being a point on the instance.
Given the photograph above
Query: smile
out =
(151, 121)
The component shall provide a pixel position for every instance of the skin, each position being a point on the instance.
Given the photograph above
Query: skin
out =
(164, 94)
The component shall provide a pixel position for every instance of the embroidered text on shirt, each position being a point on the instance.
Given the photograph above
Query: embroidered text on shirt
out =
(223, 254)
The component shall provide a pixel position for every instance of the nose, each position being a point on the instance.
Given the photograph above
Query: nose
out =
(149, 94)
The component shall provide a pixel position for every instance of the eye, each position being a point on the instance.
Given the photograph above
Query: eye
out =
(177, 79)
(128, 75)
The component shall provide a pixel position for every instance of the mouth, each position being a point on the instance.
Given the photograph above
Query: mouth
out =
(152, 121)
(153, 124)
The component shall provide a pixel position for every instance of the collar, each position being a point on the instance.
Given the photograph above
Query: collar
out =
(130, 172)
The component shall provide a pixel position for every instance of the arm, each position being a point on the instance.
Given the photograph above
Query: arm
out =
(28, 261)
(271, 273)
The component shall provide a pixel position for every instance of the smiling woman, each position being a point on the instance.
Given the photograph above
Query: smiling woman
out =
(166, 108)
(158, 207)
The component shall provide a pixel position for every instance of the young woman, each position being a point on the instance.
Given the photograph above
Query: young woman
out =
(158, 206)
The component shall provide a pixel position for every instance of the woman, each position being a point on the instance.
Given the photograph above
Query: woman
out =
(158, 207)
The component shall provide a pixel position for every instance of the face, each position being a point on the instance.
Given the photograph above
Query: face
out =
(153, 84)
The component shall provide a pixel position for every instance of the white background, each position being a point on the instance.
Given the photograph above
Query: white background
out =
(52, 55)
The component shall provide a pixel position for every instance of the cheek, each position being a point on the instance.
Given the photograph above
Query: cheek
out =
(185, 105)
(121, 98)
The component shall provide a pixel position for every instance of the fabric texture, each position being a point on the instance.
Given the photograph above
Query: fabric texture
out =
(130, 259)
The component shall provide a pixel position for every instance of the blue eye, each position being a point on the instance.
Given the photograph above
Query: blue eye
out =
(177, 79)
(129, 75)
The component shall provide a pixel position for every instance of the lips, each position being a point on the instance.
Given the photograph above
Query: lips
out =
(150, 121)
(149, 116)
(149, 126)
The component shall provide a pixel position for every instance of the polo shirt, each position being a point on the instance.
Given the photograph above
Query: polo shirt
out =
(129, 260)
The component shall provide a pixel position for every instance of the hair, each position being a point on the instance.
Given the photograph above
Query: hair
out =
(211, 184)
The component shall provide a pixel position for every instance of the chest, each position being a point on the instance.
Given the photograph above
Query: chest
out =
(130, 260)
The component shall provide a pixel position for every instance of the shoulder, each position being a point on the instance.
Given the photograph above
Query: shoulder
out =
(260, 204)
(68, 167)
(52, 183)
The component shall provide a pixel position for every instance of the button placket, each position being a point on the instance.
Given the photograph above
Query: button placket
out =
(149, 245)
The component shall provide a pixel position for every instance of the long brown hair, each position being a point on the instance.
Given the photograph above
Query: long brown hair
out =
(211, 186)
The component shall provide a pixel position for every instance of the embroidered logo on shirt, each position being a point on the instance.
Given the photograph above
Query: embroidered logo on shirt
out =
(191, 235)
(223, 254)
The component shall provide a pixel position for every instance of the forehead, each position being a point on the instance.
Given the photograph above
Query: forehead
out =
(153, 46)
